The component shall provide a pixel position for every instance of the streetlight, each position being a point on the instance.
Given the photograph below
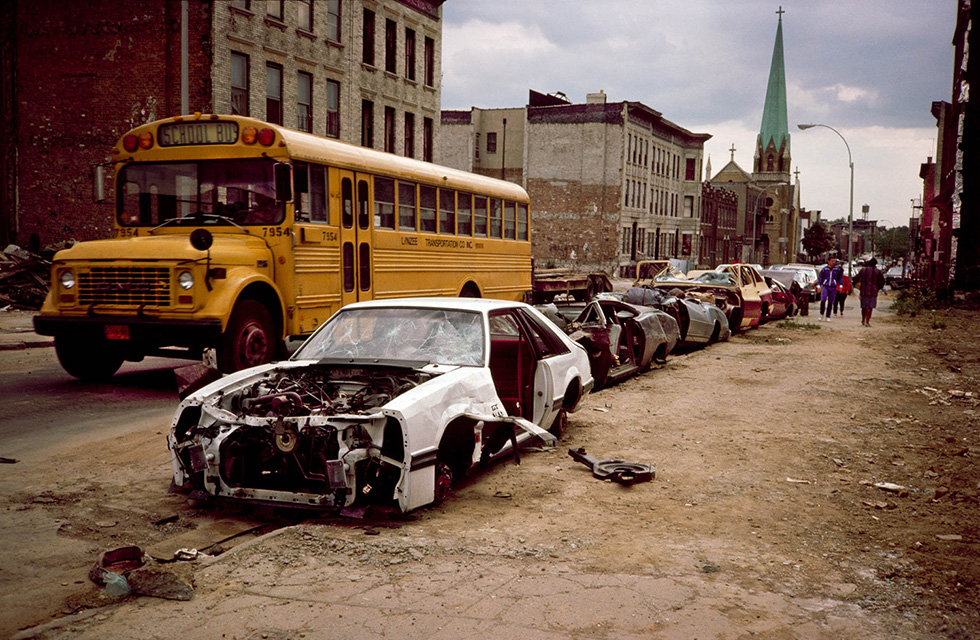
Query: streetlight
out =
(755, 216)
(850, 211)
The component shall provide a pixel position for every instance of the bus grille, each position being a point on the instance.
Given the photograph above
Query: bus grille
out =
(125, 286)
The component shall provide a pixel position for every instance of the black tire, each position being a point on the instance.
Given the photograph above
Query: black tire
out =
(560, 424)
(250, 338)
(87, 357)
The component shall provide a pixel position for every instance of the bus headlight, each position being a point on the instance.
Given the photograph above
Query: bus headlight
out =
(67, 279)
(186, 280)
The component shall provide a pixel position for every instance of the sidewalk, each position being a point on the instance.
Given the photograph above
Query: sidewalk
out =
(17, 331)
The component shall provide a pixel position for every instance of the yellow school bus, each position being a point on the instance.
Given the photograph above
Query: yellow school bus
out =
(237, 235)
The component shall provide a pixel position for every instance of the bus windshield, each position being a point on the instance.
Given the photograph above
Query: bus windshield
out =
(233, 192)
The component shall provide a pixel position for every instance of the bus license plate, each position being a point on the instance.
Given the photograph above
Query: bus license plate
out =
(116, 332)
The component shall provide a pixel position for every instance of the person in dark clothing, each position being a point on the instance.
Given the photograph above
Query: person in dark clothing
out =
(870, 281)
(843, 290)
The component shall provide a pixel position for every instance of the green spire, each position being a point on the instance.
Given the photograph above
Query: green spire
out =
(775, 124)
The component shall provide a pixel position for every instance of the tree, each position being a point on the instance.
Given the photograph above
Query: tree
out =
(893, 243)
(817, 240)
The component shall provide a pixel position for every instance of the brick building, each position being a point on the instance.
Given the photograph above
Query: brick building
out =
(719, 226)
(610, 183)
(76, 74)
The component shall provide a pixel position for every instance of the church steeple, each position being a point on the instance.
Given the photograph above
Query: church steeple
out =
(772, 153)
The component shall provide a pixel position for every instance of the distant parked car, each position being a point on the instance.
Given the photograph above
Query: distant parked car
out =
(895, 278)
(387, 403)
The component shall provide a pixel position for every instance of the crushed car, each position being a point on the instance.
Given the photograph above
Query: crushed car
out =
(387, 403)
(621, 339)
(783, 301)
(699, 321)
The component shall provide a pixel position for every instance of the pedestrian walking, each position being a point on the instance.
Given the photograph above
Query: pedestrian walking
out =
(870, 280)
(828, 280)
(843, 290)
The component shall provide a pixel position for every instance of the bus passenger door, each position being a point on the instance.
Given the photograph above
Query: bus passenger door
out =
(356, 254)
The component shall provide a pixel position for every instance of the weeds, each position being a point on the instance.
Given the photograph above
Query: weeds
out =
(797, 326)
(915, 300)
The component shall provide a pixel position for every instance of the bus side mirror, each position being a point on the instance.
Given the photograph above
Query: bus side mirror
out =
(283, 174)
(98, 184)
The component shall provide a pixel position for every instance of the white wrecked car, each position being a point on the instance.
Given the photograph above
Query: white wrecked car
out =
(386, 403)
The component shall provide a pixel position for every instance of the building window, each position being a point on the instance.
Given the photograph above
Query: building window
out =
(409, 135)
(391, 46)
(333, 20)
(333, 109)
(367, 123)
(239, 84)
(390, 129)
(688, 206)
(273, 93)
(273, 8)
(477, 146)
(430, 62)
(626, 240)
(492, 142)
(367, 38)
(242, 4)
(410, 54)
(427, 139)
(304, 102)
(304, 9)
(689, 171)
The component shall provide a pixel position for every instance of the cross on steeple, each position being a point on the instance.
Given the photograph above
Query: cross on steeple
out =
(733, 152)
(780, 12)
(797, 173)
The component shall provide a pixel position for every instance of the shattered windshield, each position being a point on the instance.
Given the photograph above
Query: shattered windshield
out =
(210, 191)
(438, 336)
(715, 277)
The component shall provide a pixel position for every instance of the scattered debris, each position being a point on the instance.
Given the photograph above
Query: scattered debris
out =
(795, 481)
(950, 537)
(171, 582)
(891, 487)
(625, 473)
(116, 561)
(167, 520)
(9, 460)
(23, 278)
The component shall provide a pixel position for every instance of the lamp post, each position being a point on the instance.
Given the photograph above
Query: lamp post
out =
(755, 216)
(850, 211)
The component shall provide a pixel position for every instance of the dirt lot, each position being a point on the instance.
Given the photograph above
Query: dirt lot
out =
(764, 518)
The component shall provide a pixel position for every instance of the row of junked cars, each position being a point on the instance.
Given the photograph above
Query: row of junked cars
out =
(389, 402)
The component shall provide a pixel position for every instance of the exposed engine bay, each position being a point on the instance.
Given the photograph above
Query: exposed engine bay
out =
(308, 435)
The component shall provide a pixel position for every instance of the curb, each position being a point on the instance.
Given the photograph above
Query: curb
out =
(26, 344)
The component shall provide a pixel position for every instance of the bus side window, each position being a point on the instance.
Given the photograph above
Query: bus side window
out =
(510, 220)
(318, 194)
(495, 226)
(301, 191)
(447, 211)
(480, 216)
(347, 203)
(406, 206)
(363, 205)
(384, 203)
(427, 209)
(521, 221)
(464, 212)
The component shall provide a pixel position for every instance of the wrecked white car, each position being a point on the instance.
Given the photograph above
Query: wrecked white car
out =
(387, 403)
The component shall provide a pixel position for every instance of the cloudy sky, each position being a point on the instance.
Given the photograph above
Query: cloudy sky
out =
(868, 68)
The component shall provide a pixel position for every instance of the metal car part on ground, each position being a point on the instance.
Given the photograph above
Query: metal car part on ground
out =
(621, 339)
(625, 473)
(387, 403)
(699, 321)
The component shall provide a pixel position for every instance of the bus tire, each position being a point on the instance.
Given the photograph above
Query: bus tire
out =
(249, 340)
(87, 358)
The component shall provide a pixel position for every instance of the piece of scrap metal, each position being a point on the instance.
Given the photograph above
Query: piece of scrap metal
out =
(625, 473)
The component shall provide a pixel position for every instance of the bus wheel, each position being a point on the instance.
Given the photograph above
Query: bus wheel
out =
(86, 358)
(469, 291)
(249, 339)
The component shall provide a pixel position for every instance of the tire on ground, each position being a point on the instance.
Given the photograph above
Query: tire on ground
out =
(88, 357)
(250, 338)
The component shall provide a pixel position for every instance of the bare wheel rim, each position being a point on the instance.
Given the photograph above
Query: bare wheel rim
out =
(253, 343)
